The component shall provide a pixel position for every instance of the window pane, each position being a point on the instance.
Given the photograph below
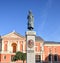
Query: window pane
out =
(55, 57)
(38, 58)
(50, 57)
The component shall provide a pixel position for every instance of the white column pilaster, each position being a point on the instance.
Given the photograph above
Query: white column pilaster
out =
(41, 56)
(23, 46)
(41, 52)
(18, 46)
(11, 48)
(2, 46)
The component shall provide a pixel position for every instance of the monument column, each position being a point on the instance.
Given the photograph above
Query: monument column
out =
(30, 39)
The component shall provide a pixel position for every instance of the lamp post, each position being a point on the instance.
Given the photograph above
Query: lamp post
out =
(41, 53)
(51, 54)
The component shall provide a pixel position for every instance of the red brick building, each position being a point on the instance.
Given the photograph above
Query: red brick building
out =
(47, 51)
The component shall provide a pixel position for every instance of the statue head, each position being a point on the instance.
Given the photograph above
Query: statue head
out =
(30, 12)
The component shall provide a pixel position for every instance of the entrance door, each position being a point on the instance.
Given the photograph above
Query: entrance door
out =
(38, 58)
(14, 49)
(14, 45)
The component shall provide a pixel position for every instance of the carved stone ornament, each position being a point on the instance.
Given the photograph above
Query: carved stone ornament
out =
(30, 43)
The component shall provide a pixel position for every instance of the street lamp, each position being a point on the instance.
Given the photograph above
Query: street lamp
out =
(41, 51)
(51, 54)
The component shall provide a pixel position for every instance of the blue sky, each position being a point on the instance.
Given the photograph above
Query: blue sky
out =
(13, 16)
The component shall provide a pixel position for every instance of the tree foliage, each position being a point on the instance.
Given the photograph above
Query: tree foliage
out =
(23, 57)
(19, 56)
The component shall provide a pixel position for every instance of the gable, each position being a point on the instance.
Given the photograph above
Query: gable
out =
(13, 35)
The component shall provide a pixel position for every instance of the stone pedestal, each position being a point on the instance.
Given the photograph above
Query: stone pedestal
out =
(30, 39)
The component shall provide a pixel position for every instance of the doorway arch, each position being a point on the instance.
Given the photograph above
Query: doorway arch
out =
(14, 47)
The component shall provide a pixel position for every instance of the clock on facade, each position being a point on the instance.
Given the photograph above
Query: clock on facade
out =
(30, 43)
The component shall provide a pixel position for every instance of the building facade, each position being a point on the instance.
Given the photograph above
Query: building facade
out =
(45, 51)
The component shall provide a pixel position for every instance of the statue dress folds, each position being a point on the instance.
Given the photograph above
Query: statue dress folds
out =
(30, 21)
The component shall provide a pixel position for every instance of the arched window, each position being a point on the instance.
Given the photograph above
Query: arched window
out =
(50, 57)
(5, 47)
(14, 45)
(55, 57)
(21, 46)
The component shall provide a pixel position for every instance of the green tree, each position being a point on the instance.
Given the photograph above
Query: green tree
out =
(23, 57)
(19, 56)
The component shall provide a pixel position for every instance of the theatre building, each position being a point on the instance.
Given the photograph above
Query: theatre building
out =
(45, 51)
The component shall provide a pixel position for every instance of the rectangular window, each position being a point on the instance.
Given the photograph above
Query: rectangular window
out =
(55, 57)
(38, 58)
(50, 57)
(4, 57)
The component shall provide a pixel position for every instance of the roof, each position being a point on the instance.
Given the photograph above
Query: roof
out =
(38, 38)
(51, 42)
(18, 34)
(14, 32)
